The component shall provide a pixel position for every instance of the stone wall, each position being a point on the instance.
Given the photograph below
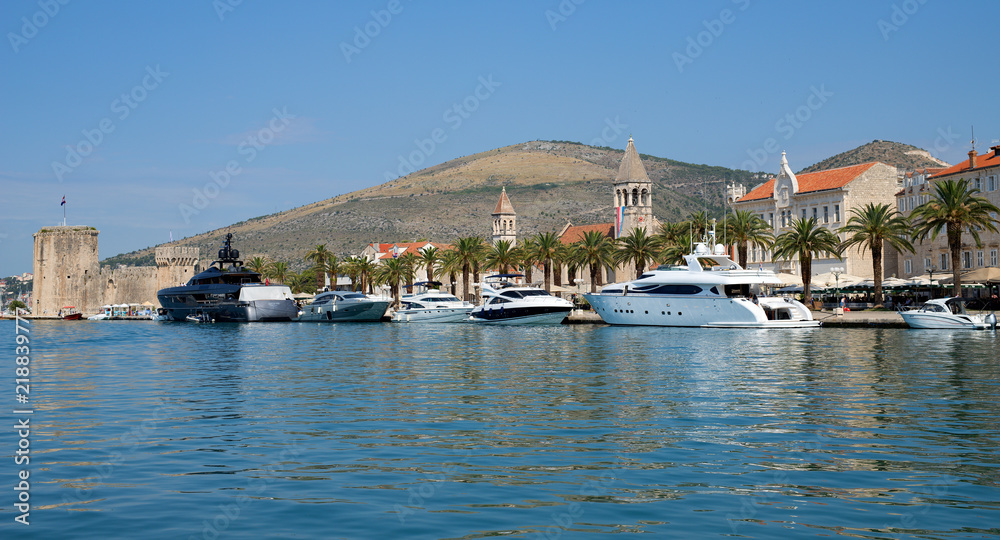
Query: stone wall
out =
(68, 273)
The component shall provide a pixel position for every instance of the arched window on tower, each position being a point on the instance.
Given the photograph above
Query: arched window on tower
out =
(645, 197)
(635, 196)
(618, 197)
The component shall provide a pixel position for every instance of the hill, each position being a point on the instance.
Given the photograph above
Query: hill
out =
(904, 157)
(548, 182)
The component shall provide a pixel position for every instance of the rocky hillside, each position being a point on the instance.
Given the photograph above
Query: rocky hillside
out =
(548, 182)
(903, 156)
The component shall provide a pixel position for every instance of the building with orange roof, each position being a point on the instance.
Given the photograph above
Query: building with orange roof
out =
(504, 220)
(932, 256)
(828, 197)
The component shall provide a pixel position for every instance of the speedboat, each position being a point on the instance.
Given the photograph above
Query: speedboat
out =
(70, 313)
(344, 306)
(507, 302)
(941, 313)
(432, 306)
(709, 290)
(229, 292)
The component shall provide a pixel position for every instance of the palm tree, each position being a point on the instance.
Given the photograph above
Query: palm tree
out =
(527, 257)
(802, 240)
(744, 227)
(258, 264)
(363, 270)
(412, 262)
(547, 248)
(638, 248)
(698, 222)
(597, 251)
(674, 240)
(956, 208)
(430, 256)
(468, 250)
(319, 256)
(279, 271)
(872, 226)
(452, 265)
(393, 271)
(501, 256)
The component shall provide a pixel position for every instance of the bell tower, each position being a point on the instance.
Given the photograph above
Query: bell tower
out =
(504, 220)
(633, 195)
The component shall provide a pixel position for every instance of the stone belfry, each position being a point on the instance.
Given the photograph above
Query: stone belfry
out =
(633, 195)
(504, 220)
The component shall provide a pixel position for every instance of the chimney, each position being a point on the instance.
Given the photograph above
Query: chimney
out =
(996, 150)
(972, 159)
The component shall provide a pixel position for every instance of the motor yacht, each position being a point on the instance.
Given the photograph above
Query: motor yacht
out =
(344, 306)
(943, 313)
(229, 292)
(507, 302)
(432, 306)
(709, 290)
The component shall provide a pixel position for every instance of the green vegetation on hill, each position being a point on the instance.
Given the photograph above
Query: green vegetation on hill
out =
(902, 156)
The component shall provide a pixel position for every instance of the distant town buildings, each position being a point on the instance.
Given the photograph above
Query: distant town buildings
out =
(828, 196)
(983, 173)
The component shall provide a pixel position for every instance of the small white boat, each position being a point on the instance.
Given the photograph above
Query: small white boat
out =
(944, 313)
(432, 306)
(506, 302)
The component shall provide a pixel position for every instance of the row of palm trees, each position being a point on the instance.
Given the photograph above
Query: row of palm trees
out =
(954, 207)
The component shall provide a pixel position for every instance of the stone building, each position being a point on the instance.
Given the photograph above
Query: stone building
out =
(504, 220)
(67, 273)
(983, 173)
(828, 196)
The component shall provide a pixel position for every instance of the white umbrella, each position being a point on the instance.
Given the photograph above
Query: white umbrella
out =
(827, 279)
(789, 279)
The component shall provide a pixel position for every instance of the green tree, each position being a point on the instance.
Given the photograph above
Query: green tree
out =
(527, 257)
(391, 272)
(320, 257)
(637, 248)
(674, 240)
(412, 262)
(870, 228)
(451, 264)
(547, 249)
(594, 250)
(501, 256)
(430, 256)
(15, 305)
(802, 240)
(954, 207)
(258, 264)
(743, 229)
(360, 270)
(278, 270)
(468, 250)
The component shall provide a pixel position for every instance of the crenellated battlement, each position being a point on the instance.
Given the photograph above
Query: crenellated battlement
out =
(177, 256)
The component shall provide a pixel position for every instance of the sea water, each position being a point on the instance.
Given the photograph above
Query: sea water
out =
(277, 430)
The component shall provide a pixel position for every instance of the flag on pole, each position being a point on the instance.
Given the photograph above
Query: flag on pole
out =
(63, 201)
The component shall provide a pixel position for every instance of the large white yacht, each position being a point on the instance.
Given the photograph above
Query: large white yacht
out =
(507, 302)
(432, 306)
(709, 290)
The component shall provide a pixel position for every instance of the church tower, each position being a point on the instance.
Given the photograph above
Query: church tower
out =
(504, 220)
(633, 195)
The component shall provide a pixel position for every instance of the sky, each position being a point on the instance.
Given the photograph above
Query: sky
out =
(160, 120)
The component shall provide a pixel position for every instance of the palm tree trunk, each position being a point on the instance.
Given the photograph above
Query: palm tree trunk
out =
(877, 270)
(806, 261)
(593, 277)
(955, 243)
(547, 270)
(465, 281)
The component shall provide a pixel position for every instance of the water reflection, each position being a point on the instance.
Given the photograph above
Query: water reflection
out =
(458, 430)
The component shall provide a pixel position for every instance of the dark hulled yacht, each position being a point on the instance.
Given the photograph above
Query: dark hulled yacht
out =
(227, 291)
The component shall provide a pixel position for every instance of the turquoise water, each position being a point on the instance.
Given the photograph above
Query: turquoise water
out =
(172, 430)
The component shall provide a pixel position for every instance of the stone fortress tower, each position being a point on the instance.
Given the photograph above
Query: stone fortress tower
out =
(504, 220)
(633, 195)
(68, 273)
(65, 268)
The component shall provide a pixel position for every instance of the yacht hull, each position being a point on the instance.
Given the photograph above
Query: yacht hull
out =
(355, 312)
(539, 316)
(700, 311)
(432, 315)
(936, 321)
(232, 311)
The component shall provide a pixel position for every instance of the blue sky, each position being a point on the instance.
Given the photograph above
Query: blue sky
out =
(134, 110)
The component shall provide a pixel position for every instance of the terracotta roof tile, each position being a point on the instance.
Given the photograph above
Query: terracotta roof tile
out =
(814, 181)
(503, 205)
(989, 159)
(576, 233)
